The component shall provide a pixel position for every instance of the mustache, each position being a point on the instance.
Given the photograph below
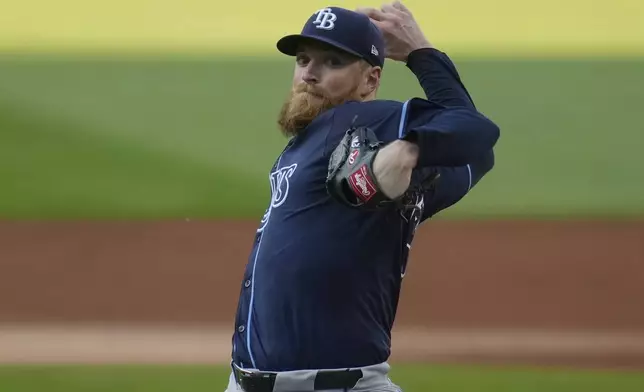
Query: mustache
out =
(307, 88)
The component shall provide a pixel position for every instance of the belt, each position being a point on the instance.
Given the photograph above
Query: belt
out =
(258, 381)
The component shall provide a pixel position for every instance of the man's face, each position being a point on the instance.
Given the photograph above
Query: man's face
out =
(325, 77)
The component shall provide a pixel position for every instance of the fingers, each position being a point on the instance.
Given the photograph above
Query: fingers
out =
(401, 7)
(377, 16)
(372, 13)
(390, 9)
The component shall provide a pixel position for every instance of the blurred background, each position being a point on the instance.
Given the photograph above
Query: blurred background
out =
(135, 142)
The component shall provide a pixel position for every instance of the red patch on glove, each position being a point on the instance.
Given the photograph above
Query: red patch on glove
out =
(362, 184)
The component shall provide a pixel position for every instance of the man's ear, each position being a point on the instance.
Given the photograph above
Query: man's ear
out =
(372, 80)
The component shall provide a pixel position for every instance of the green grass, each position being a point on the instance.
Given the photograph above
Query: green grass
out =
(195, 137)
(412, 378)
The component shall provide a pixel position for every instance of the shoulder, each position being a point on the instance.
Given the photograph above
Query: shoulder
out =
(368, 113)
(382, 116)
(387, 118)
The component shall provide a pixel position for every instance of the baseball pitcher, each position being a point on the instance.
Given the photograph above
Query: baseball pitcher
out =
(357, 176)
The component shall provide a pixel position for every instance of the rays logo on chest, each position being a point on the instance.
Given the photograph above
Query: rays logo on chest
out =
(280, 185)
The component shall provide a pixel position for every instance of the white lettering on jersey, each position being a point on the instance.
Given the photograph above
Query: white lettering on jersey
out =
(279, 180)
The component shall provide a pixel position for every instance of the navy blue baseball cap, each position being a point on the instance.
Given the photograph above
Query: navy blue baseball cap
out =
(343, 29)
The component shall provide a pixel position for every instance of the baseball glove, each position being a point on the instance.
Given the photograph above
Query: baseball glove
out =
(352, 182)
(350, 179)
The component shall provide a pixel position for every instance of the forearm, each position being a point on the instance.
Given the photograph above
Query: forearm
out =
(439, 78)
(396, 169)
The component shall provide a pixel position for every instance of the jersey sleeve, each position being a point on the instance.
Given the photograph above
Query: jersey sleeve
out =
(446, 136)
(442, 84)
(439, 78)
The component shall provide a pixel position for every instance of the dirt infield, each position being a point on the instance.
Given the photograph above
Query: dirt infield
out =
(211, 344)
(548, 279)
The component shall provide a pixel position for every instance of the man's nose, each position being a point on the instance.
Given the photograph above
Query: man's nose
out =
(310, 74)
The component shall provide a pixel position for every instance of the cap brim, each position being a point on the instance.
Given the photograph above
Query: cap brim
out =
(289, 44)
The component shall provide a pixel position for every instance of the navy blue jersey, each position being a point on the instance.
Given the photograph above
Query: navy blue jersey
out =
(322, 282)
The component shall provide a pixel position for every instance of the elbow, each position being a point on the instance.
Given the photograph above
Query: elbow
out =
(486, 134)
(487, 162)
(482, 166)
(491, 132)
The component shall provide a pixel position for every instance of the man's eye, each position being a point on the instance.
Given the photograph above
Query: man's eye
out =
(302, 60)
(334, 61)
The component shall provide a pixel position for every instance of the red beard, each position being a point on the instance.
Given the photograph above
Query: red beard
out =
(303, 105)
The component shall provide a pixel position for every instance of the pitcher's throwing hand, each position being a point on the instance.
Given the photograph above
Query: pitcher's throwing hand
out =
(401, 32)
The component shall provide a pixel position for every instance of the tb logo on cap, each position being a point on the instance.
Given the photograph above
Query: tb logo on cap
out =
(325, 19)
